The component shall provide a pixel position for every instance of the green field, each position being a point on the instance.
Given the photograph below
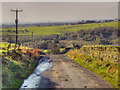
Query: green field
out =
(48, 30)
(17, 65)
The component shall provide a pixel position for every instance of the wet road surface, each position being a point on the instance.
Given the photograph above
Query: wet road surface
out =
(66, 73)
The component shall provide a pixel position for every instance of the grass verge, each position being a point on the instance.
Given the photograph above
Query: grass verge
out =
(16, 66)
(105, 69)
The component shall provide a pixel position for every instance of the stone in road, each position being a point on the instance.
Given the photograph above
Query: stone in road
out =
(66, 73)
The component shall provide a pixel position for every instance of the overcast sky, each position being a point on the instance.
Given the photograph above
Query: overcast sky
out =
(58, 11)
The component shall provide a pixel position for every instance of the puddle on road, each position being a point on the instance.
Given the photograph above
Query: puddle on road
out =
(34, 79)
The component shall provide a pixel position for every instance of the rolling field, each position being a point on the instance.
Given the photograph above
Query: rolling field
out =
(48, 30)
(18, 65)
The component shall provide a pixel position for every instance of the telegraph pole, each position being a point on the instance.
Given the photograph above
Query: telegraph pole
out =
(32, 36)
(16, 21)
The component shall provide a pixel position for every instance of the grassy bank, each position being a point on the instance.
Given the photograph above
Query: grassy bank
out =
(16, 66)
(106, 69)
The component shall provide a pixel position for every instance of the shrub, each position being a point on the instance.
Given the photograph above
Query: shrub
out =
(55, 49)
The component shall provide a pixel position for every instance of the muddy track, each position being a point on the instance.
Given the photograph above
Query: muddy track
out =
(66, 73)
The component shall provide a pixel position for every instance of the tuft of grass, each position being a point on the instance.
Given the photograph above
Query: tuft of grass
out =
(61, 49)
(45, 51)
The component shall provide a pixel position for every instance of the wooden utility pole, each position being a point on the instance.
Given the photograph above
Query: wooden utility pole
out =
(32, 36)
(16, 21)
